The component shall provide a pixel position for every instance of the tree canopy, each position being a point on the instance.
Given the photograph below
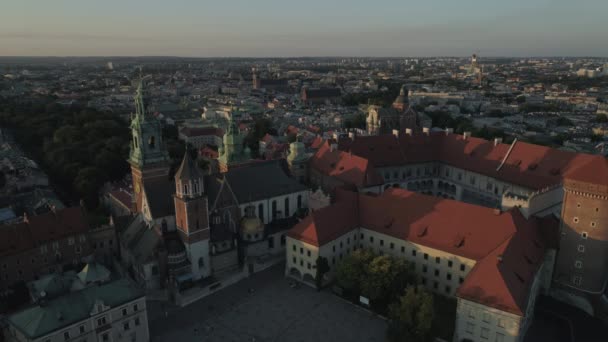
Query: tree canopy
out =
(411, 316)
(80, 149)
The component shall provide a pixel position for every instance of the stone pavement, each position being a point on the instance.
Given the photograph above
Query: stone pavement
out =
(264, 307)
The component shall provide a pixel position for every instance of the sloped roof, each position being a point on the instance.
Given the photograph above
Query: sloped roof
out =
(74, 307)
(528, 165)
(349, 168)
(40, 229)
(470, 231)
(140, 239)
(594, 172)
(188, 169)
(158, 195)
(261, 180)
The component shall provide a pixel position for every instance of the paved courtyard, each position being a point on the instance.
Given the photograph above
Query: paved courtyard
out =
(265, 308)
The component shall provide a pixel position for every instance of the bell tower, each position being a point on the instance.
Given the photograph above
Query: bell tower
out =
(191, 216)
(148, 158)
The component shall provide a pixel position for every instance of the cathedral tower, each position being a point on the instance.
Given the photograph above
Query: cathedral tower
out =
(148, 157)
(582, 260)
(298, 161)
(232, 152)
(191, 216)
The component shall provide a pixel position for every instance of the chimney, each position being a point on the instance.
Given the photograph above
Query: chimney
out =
(408, 131)
(497, 141)
(426, 130)
(396, 133)
(466, 135)
(333, 147)
(449, 131)
(25, 218)
(351, 135)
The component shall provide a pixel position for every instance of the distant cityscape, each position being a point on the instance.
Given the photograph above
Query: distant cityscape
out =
(303, 199)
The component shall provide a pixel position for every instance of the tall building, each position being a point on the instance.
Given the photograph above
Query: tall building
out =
(191, 216)
(298, 161)
(149, 158)
(584, 231)
(233, 152)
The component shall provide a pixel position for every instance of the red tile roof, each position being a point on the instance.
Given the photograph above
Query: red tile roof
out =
(41, 229)
(527, 165)
(470, 231)
(594, 172)
(123, 197)
(346, 167)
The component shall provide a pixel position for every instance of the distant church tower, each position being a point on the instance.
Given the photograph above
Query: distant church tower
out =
(582, 259)
(232, 152)
(148, 157)
(401, 103)
(298, 161)
(191, 216)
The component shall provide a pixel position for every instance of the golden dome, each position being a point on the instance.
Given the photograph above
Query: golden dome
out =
(251, 225)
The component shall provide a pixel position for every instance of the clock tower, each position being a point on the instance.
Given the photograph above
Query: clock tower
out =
(148, 158)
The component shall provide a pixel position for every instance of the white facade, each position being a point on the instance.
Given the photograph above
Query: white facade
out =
(198, 254)
(285, 206)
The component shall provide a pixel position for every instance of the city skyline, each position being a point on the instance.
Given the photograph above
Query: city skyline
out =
(274, 29)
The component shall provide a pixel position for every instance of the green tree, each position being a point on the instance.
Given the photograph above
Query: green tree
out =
(411, 317)
(352, 270)
(322, 268)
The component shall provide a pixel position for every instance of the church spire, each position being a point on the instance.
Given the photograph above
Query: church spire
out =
(140, 110)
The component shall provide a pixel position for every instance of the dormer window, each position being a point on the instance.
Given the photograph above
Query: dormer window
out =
(185, 189)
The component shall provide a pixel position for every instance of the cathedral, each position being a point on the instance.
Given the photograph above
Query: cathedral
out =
(198, 224)
(400, 116)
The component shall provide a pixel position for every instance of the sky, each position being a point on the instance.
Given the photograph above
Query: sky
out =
(288, 28)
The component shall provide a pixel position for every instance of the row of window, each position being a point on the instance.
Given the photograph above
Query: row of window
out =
(308, 264)
(450, 263)
(274, 209)
(592, 224)
(55, 244)
(484, 333)
(100, 322)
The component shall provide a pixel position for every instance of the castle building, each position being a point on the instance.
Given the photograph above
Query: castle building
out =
(190, 228)
(491, 261)
(562, 193)
(583, 249)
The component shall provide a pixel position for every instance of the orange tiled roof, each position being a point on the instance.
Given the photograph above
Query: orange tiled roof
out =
(346, 167)
(527, 165)
(474, 232)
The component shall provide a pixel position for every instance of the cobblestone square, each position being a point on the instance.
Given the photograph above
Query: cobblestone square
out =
(265, 308)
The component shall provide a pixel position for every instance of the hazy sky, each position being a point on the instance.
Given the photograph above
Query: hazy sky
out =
(254, 28)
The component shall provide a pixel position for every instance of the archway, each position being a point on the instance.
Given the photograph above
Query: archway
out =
(308, 278)
(295, 273)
